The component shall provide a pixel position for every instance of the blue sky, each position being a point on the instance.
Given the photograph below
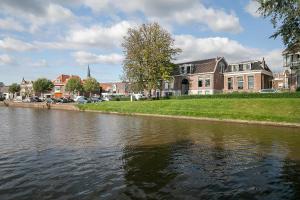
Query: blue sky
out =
(50, 37)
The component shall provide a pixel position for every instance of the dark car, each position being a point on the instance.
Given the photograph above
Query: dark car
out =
(36, 99)
(51, 100)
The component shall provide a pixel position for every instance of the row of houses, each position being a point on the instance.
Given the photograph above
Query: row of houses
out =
(208, 76)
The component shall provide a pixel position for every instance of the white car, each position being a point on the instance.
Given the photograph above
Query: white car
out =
(81, 100)
(139, 96)
(18, 99)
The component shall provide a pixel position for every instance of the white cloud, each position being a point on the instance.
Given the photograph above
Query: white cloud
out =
(6, 59)
(201, 48)
(11, 44)
(84, 58)
(40, 63)
(274, 60)
(11, 24)
(100, 36)
(172, 11)
(252, 8)
(36, 13)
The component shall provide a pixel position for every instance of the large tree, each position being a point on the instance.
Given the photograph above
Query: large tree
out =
(74, 85)
(149, 50)
(42, 85)
(14, 88)
(91, 86)
(285, 17)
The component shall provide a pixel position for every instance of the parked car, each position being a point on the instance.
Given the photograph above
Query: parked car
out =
(36, 99)
(94, 99)
(81, 100)
(18, 99)
(264, 91)
(139, 96)
(50, 100)
(106, 98)
(28, 100)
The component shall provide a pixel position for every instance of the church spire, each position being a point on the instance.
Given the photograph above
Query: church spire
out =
(88, 72)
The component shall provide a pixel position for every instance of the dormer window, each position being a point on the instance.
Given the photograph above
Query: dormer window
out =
(188, 69)
(182, 70)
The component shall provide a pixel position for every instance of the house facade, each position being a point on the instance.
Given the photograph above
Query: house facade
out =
(26, 88)
(60, 83)
(196, 77)
(248, 76)
(281, 80)
(291, 63)
(115, 88)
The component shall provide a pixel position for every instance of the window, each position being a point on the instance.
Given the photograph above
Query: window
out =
(57, 89)
(235, 68)
(207, 82)
(240, 83)
(200, 83)
(182, 70)
(188, 69)
(166, 85)
(250, 82)
(241, 67)
(247, 66)
(222, 67)
(229, 83)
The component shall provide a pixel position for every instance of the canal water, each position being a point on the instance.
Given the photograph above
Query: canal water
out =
(47, 154)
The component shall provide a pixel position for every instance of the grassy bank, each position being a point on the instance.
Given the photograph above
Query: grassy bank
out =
(258, 109)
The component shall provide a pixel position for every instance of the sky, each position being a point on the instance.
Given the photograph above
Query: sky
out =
(52, 37)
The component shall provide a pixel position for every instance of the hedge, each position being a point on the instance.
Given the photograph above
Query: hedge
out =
(238, 95)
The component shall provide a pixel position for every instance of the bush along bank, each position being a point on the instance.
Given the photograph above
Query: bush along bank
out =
(238, 95)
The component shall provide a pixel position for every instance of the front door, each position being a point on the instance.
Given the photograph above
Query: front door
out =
(185, 87)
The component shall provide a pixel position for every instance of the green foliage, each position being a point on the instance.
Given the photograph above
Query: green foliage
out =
(298, 89)
(284, 16)
(14, 88)
(42, 85)
(148, 50)
(91, 86)
(239, 96)
(74, 85)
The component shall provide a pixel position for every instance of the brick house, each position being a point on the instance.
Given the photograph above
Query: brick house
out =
(60, 85)
(196, 77)
(248, 76)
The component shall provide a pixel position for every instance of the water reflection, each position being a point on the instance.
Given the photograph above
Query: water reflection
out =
(73, 155)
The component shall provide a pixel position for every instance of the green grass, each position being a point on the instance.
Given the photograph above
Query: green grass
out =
(259, 109)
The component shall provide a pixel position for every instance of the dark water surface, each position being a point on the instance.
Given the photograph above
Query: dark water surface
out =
(72, 155)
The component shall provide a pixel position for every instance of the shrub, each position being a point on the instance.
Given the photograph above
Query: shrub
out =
(298, 89)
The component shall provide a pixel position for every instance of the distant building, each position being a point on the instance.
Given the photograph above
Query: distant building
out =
(196, 77)
(291, 63)
(26, 88)
(248, 76)
(281, 80)
(60, 85)
(115, 88)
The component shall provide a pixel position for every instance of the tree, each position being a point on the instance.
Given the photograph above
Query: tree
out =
(74, 85)
(42, 85)
(285, 16)
(149, 50)
(14, 88)
(91, 86)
